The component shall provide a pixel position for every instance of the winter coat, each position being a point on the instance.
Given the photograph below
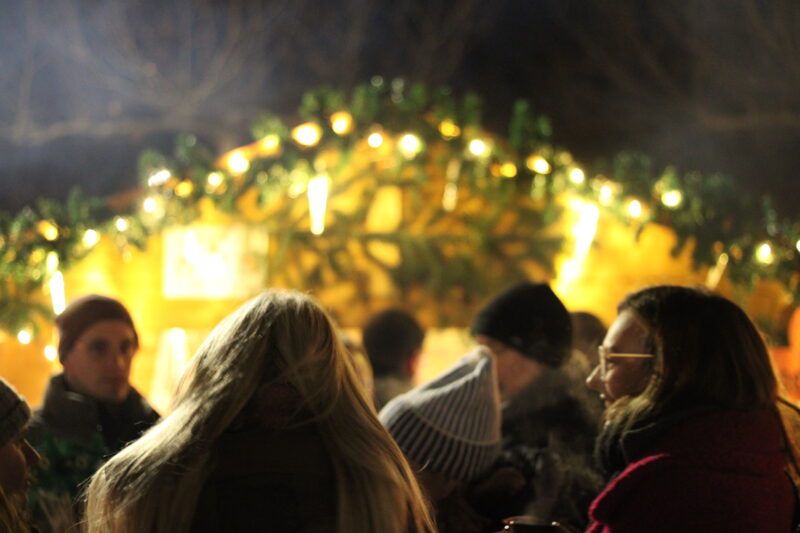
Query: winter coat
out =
(715, 471)
(74, 435)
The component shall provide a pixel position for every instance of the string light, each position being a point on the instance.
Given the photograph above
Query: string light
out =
(410, 145)
(57, 297)
(24, 336)
(538, 164)
(764, 253)
(121, 224)
(307, 134)
(159, 177)
(149, 205)
(317, 202)
(48, 230)
(269, 144)
(90, 238)
(477, 147)
(341, 122)
(449, 129)
(672, 199)
(797, 245)
(577, 176)
(238, 162)
(375, 139)
(50, 352)
(635, 208)
(185, 188)
(52, 261)
(508, 170)
(214, 179)
(606, 194)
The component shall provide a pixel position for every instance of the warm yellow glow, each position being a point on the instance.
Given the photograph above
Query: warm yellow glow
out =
(606, 194)
(577, 176)
(215, 179)
(375, 139)
(585, 228)
(449, 129)
(635, 208)
(672, 199)
(52, 261)
(149, 205)
(50, 352)
(715, 274)
(341, 122)
(121, 224)
(410, 145)
(24, 336)
(238, 162)
(538, 164)
(48, 230)
(797, 245)
(317, 202)
(764, 253)
(159, 177)
(57, 296)
(269, 143)
(307, 134)
(508, 170)
(184, 189)
(90, 238)
(477, 147)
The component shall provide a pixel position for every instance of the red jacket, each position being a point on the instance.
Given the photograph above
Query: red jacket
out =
(717, 472)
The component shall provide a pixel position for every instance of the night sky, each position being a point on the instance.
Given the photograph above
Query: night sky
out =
(708, 85)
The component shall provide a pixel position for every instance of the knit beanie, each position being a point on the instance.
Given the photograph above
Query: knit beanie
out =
(452, 424)
(14, 412)
(530, 318)
(82, 313)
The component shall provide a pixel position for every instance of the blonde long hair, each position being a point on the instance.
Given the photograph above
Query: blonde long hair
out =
(277, 337)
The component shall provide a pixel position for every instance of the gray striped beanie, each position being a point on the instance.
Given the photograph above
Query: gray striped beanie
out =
(14, 412)
(450, 425)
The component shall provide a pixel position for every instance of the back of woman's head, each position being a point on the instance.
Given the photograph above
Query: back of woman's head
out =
(278, 338)
(707, 350)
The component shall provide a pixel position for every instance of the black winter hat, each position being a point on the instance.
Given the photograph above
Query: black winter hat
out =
(530, 318)
(82, 313)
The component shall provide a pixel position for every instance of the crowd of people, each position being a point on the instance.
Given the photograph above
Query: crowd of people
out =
(672, 420)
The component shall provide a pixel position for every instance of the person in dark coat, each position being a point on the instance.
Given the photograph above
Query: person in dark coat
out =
(696, 437)
(549, 421)
(270, 430)
(90, 411)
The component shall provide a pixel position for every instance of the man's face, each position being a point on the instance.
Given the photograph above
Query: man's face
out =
(514, 370)
(99, 363)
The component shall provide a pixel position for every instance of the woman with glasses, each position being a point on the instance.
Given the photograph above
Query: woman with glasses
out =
(270, 431)
(696, 438)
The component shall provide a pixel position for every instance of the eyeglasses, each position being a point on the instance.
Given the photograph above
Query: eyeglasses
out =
(607, 355)
(103, 348)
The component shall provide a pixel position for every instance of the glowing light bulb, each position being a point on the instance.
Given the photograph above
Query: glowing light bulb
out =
(538, 164)
(764, 253)
(449, 129)
(50, 352)
(606, 194)
(215, 179)
(90, 238)
(184, 189)
(159, 177)
(238, 162)
(121, 224)
(672, 199)
(508, 170)
(57, 297)
(577, 176)
(52, 261)
(24, 336)
(48, 230)
(375, 140)
(410, 145)
(307, 134)
(797, 245)
(269, 143)
(149, 204)
(341, 122)
(635, 208)
(317, 202)
(477, 147)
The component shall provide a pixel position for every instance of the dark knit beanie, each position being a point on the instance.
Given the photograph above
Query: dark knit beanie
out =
(14, 412)
(450, 425)
(530, 318)
(82, 313)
